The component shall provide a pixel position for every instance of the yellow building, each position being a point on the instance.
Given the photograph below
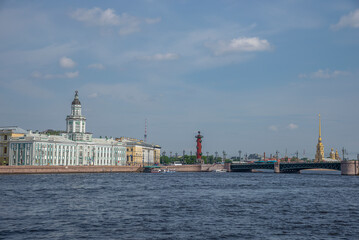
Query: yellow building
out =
(332, 154)
(337, 155)
(7, 133)
(139, 153)
(319, 155)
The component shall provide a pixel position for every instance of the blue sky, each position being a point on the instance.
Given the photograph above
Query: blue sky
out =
(251, 75)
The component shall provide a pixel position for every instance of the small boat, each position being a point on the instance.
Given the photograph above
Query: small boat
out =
(220, 170)
(152, 169)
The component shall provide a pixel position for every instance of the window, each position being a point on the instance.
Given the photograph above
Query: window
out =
(5, 137)
(5, 150)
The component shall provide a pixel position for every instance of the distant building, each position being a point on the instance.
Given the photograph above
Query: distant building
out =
(139, 153)
(332, 154)
(7, 133)
(76, 123)
(337, 155)
(75, 147)
(254, 157)
(319, 155)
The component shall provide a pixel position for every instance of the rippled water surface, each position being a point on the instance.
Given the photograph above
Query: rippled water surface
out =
(179, 206)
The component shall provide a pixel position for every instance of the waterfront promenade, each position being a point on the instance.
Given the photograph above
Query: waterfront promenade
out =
(346, 168)
(102, 169)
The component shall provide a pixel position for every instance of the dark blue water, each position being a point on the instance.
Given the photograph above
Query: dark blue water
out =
(179, 206)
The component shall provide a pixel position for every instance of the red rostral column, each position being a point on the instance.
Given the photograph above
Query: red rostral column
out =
(199, 146)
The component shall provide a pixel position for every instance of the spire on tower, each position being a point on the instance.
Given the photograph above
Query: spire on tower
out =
(76, 100)
(320, 128)
(145, 130)
(320, 148)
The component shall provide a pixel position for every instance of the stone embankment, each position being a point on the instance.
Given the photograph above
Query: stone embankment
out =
(102, 169)
(211, 167)
(194, 167)
(66, 169)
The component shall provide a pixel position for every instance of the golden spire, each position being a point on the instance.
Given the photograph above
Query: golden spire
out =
(320, 129)
(320, 148)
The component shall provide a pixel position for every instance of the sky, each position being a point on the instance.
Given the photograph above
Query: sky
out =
(252, 76)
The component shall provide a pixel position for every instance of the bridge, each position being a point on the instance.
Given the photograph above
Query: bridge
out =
(346, 167)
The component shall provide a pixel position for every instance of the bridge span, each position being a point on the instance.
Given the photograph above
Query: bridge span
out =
(346, 167)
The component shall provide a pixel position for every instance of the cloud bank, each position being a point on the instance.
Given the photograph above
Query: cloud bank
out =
(66, 62)
(39, 75)
(350, 20)
(160, 57)
(292, 126)
(125, 23)
(242, 44)
(324, 74)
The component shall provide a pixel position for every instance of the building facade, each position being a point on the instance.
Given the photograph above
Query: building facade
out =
(7, 133)
(75, 147)
(139, 153)
(319, 154)
(41, 149)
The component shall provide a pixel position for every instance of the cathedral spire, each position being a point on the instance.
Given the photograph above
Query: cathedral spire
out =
(319, 155)
(320, 129)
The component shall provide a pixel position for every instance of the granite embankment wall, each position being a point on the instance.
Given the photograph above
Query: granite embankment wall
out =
(211, 167)
(66, 169)
(194, 167)
(102, 169)
(183, 168)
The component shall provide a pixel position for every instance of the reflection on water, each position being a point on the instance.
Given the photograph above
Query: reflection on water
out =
(322, 205)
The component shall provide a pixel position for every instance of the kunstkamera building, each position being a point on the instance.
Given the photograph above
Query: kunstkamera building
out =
(75, 147)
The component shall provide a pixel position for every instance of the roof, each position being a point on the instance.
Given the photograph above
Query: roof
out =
(76, 100)
(140, 143)
(14, 129)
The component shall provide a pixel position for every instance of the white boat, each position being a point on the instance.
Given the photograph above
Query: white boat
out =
(220, 170)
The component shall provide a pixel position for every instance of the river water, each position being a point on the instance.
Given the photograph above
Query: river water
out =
(314, 205)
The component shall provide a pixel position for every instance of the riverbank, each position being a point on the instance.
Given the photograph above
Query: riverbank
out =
(66, 169)
(102, 169)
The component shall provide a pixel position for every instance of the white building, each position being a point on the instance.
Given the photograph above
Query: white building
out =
(75, 147)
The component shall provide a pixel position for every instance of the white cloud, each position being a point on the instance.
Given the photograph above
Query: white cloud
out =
(273, 128)
(98, 66)
(292, 126)
(66, 62)
(39, 57)
(243, 44)
(350, 20)
(72, 74)
(324, 74)
(161, 57)
(39, 75)
(153, 20)
(97, 17)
